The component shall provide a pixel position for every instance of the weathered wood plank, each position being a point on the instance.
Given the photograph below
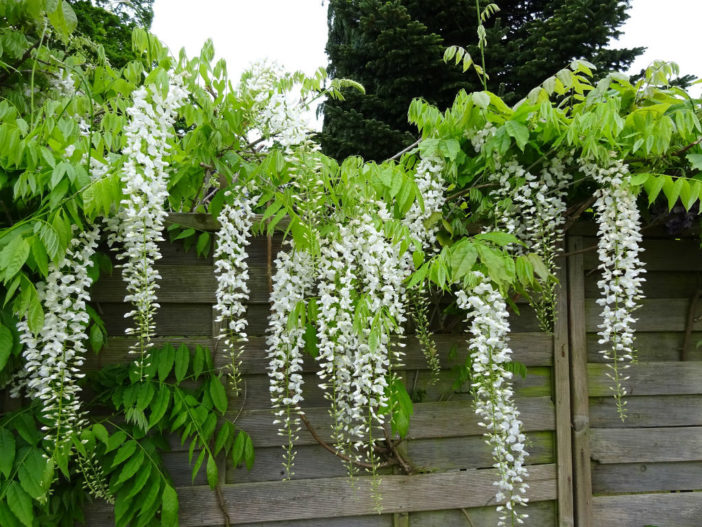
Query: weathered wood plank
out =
(651, 347)
(270, 501)
(182, 284)
(658, 284)
(582, 482)
(637, 510)
(541, 514)
(589, 229)
(376, 520)
(656, 314)
(459, 453)
(440, 454)
(171, 319)
(561, 374)
(646, 477)
(341, 497)
(441, 419)
(660, 255)
(637, 445)
(650, 378)
(533, 349)
(648, 411)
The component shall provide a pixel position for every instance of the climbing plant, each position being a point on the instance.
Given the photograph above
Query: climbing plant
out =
(476, 209)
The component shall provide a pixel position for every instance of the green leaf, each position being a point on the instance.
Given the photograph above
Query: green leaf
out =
(7, 447)
(223, 435)
(97, 338)
(203, 243)
(20, 503)
(30, 473)
(169, 507)
(131, 467)
(124, 452)
(639, 179)
(249, 455)
(7, 342)
(166, 357)
(7, 519)
(62, 17)
(695, 160)
(139, 481)
(198, 361)
(218, 394)
(159, 405)
(182, 358)
(238, 448)
(14, 255)
(498, 238)
(653, 186)
(462, 259)
(101, 433)
(212, 472)
(519, 132)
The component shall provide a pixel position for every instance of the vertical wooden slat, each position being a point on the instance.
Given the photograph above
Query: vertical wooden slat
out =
(561, 373)
(582, 476)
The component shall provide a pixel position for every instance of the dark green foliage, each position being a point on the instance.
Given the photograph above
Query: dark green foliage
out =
(395, 49)
(108, 24)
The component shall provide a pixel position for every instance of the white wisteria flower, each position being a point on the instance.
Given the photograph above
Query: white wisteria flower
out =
(621, 283)
(55, 355)
(232, 273)
(488, 322)
(138, 225)
(285, 342)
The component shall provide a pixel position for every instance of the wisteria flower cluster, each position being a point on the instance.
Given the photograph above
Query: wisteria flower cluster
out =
(55, 355)
(487, 317)
(138, 225)
(292, 283)
(621, 283)
(232, 273)
(533, 210)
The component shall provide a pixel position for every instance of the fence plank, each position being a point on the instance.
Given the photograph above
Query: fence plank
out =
(648, 411)
(634, 445)
(659, 255)
(658, 284)
(582, 483)
(561, 374)
(320, 498)
(656, 314)
(636, 510)
(650, 378)
(540, 514)
(651, 347)
(646, 477)
(441, 419)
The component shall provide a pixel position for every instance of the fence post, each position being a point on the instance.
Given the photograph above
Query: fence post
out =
(561, 373)
(578, 384)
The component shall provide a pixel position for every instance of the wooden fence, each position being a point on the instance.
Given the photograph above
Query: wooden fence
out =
(586, 466)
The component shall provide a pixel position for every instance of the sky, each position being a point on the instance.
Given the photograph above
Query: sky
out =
(294, 32)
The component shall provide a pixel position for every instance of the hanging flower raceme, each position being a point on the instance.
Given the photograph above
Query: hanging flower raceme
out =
(534, 212)
(55, 355)
(232, 273)
(292, 282)
(618, 248)
(361, 298)
(431, 185)
(138, 225)
(487, 317)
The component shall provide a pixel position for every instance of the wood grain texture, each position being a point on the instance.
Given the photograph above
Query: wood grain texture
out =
(658, 284)
(638, 445)
(540, 514)
(582, 479)
(637, 510)
(646, 477)
(651, 347)
(648, 411)
(656, 314)
(341, 497)
(561, 374)
(441, 419)
(649, 378)
(659, 255)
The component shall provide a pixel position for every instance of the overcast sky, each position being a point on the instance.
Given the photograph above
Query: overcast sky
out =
(294, 32)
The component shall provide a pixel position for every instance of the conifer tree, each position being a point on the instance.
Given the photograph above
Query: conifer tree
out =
(395, 49)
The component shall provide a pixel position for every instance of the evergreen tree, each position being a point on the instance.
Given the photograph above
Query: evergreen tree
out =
(110, 24)
(395, 49)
